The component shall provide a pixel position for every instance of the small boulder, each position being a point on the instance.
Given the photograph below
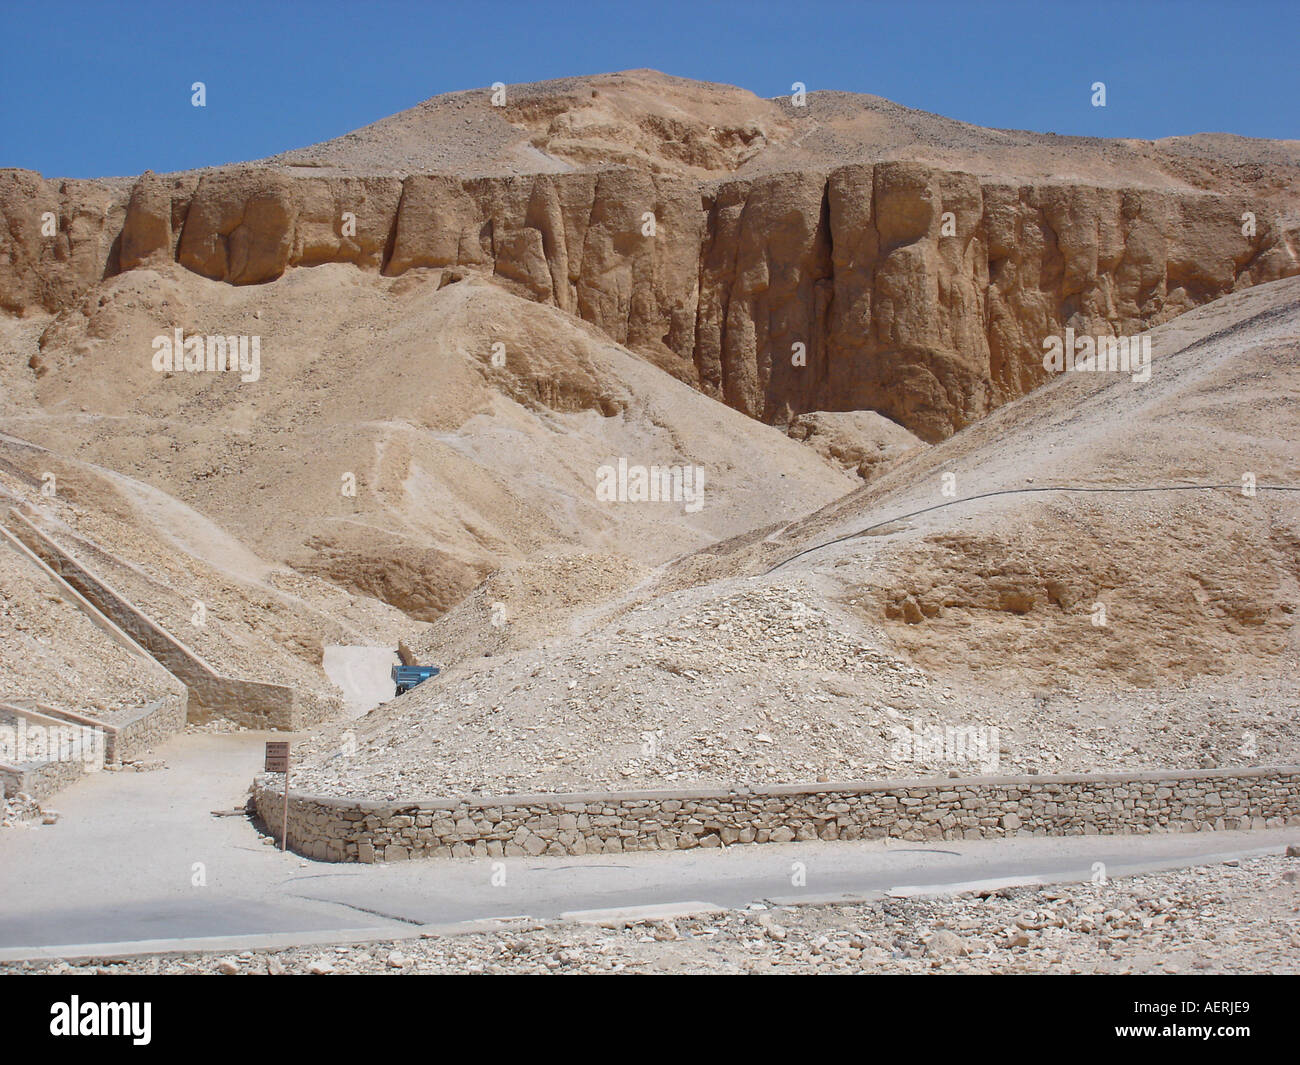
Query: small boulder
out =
(945, 944)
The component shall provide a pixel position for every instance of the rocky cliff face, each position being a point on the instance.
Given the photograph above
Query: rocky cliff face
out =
(57, 238)
(915, 291)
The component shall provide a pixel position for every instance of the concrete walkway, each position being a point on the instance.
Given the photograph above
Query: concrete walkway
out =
(364, 674)
(123, 865)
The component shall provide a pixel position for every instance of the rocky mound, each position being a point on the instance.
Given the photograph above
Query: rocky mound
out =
(381, 448)
(977, 615)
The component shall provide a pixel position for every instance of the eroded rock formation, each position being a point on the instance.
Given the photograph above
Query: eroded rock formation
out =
(918, 292)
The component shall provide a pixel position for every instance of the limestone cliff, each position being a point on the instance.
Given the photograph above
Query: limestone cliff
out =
(914, 290)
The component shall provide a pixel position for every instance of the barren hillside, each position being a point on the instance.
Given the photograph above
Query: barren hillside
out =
(464, 313)
(775, 659)
(842, 255)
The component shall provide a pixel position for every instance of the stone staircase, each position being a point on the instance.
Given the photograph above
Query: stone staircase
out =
(44, 748)
(254, 704)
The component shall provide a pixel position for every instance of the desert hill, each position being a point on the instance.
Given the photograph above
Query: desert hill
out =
(651, 121)
(465, 312)
(231, 492)
(773, 658)
(918, 262)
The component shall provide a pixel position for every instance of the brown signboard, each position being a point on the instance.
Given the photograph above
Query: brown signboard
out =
(277, 756)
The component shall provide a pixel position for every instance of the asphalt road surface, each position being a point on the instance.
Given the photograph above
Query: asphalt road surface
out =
(139, 857)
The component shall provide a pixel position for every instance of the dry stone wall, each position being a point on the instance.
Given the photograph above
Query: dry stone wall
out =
(352, 830)
(76, 751)
(67, 751)
(40, 780)
(135, 734)
(255, 704)
(146, 729)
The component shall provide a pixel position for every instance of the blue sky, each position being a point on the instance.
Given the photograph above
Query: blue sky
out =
(104, 88)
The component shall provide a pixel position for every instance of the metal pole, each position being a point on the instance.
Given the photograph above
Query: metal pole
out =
(284, 831)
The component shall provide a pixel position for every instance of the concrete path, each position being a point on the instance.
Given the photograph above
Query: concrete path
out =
(140, 857)
(363, 673)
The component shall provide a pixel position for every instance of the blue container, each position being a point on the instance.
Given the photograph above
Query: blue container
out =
(407, 677)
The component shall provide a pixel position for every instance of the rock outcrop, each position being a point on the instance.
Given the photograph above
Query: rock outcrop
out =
(920, 292)
(57, 238)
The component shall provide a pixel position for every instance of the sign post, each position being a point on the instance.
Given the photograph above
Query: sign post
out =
(277, 761)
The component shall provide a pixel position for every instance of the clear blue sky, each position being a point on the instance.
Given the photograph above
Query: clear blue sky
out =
(104, 88)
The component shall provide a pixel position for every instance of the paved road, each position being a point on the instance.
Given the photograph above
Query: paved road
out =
(123, 865)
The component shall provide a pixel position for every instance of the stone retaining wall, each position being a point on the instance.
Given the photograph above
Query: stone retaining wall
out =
(149, 727)
(40, 780)
(255, 704)
(66, 591)
(76, 751)
(357, 830)
(125, 741)
(72, 717)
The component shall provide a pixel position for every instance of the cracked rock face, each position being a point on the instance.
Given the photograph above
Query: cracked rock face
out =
(913, 289)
